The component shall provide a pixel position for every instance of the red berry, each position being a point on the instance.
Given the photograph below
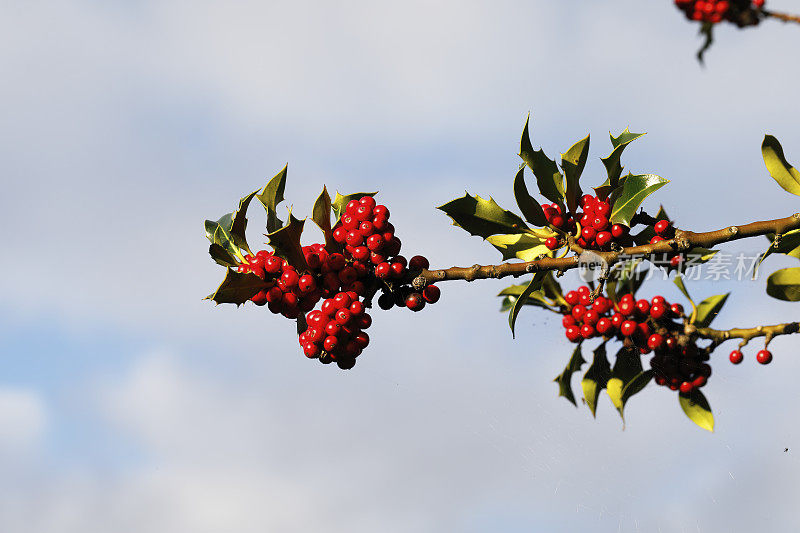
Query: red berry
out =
(356, 309)
(568, 321)
(599, 222)
(618, 230)
(578, 311)
(306, 283)
(699, 381)
(655, 342)
(290, 278)
(661, 227)
(736, 357)
(348, 275)
(677, 309)
(764, 357)
(311, 350)
(551, 243)
(349, 222)
(354, 238)
(361, 253)
(656, 239)
(586, 200)
(587, 331)
(273, 264)
(573, 333)
(617, 319)
(583, 290)
(558, 221)
(627, 306)
(330, 343)
(368, 202)
(686, 387)
(602, 209)
(336, 262)
(365, 228)
(604, 325)
(380, 211)
(572, 297)
(675, 261)
(418, 262)
(657, 310)
(588, 233)
(658, 300)
(628, 328)
(397, 270)
(603, 238)
(260, 298)
(431, 293)
(383, 271)
(591, 317)
(415, 301)
(643, 306)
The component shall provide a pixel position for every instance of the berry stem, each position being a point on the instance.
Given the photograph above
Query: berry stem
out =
(783, 17)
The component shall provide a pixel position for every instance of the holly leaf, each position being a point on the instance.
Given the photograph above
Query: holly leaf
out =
(552, 289)
(573, 163)
(613, 162)
(340, 202)
(528, 206)
(784, 284)
(286, 242)
(627, 366)
(635, 189)
(482, 217)
(271, 196)
(564, 379)
(239, 224)
(534, 285)
(548, 177)
(219, 233)
(634, 386)
(708, 309)
(781, 171)
(221, 255)
(321, 215)
(521, 246)
(787, 244)
(697, 409)
(596, 378)
(511, 294)
(625, 280)
(237, 288)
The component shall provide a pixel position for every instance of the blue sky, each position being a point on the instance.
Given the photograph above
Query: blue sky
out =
(129, 404)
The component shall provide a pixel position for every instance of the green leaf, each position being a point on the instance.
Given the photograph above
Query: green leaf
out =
(548, 177)
(788, 244)
(596, 378)
(340, 202)
(528, 206)
(634, 191)
(536, 298)
(573, 163)
(286, 243)
(634, 386)
(708, 309)
(240, 223)
(613, 162)
(784, 284)
(627, 366)
(237, 288)
(697, 409)
(552, 289)
(534, 285)
(564, 379)
(679, 283)
(219, 233)
(785, 174)
(482, 217)
(522, 246)
(321, 215)
(221, 255)
(625, 280)
(271, 196)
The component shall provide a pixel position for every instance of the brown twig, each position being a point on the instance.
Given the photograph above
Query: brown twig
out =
(682, 242)
(783, 17)
(746, 334)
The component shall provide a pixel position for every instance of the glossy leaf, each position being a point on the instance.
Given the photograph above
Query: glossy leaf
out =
(787, 244)
(340, 202)
(596, 378)
(219, 233)
(482, 217)
(708, 309)
(534, 285)
(271, 196)
(548, 177)
(784, 173)
(286, 242)
(627, 366)
(221, 255)
(321, 215)
(520, 246)
(536, 298)
(697, 409)
(573, 162)
(634, 386)
(784, 284)
(237, 288)
(625, 280)
(634, 191)
(552, 289)
(564, 379)
(239, 225)
(528, 206)
(613, 162)
(682, 287)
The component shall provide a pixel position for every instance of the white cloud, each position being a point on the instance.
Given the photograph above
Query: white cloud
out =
(23, 421)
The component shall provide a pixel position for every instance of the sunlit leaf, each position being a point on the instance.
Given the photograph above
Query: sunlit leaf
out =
(482, 217)
(784, 173)
(521, 246)
(321, 215)
(613, 162)
(548, 177)
(237, 288)
(784, 284)
(221, 255)
(634, 191)
(627, 366)
(573, 162)
(788, 244)
(271, 196)
(697, 409)
(534, 285)
(708, 309)
(528, 206)
(240, 223)
(596, 378)
(340, 202)
(564, 379)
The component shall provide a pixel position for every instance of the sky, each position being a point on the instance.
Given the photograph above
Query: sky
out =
(129, 404)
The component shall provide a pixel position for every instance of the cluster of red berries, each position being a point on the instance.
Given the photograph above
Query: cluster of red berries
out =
(335, 331)
(290, 293)
(369, 261)
(596, 232)
(645, 325)
(763, 356)
(717, 10)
